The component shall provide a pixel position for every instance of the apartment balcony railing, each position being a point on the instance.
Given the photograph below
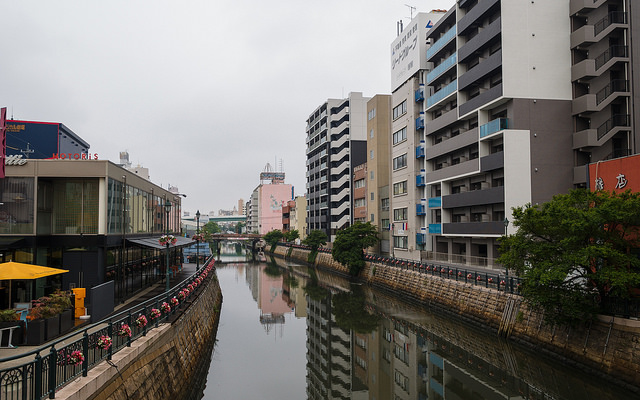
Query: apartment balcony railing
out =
(421, 209)
(435, 202)
(435, 228)
(616, 120)
(615, 17)
(419, 123)
(494, 126)
(442, 67)
(611, 52)
(420, 180)
(420, 151)
(421, 239)
(442, 93)
(440, 43)
(420, 95)
(616, 85)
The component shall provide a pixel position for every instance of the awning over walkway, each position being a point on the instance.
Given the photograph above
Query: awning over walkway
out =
(154, 242)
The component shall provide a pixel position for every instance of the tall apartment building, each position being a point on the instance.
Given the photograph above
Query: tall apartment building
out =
(498, 126)
(605, 35)
(336, 141)
(407, 175)
(379, 131)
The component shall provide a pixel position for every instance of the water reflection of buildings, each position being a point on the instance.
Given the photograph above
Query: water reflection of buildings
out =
(275, 297)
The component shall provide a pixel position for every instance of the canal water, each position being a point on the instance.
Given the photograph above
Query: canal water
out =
(290, 332)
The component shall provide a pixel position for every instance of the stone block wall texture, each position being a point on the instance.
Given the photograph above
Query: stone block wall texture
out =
(608, 346)
(168, 367)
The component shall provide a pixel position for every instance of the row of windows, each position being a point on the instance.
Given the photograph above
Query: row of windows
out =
(400, 242)
(400, 135)
(400, 214)
(360, 183)
(400, 161)
(400, 188)
(360, 203)
(400, 110)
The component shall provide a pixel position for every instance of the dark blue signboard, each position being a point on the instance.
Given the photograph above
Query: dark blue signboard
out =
(32, 139)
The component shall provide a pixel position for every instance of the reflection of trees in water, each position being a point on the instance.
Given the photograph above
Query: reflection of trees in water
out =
(313, 289)
(272, 269)
(349, 308)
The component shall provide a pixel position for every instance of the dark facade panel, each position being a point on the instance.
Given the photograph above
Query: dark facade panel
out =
(442, 121)
(492, 162)
(480, 40)
(462, 140)
(473, 198)
(473, 228)
(454, 170)
(476, 13)
(481, 99)
(481, 70)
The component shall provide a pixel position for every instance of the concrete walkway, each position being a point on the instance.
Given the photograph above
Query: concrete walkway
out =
(140, 297)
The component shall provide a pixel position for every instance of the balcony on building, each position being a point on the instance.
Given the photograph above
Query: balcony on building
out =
(419, 95)
(420, 122)
(442, 43)
(421, 209)
(421, 179)
(588, 34)
(420, 149)
(480, 41)
(442, 94)
(435, 229)
(477, 13)
(421, 239)
(494, 126)
(443, 67)
(435, 202)
(592, 67)
(480, 100)
(597, 102)
(474, 228)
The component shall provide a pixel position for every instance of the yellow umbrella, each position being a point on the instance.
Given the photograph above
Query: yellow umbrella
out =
(15, 270)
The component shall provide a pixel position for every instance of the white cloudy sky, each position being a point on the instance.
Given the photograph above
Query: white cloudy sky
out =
(204, 93)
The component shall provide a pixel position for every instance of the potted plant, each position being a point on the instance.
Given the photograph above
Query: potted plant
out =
(62, 301)
(8, 319)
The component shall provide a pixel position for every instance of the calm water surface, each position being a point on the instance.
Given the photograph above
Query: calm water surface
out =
(287, 332)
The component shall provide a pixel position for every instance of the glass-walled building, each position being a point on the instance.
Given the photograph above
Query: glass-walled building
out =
(89, 217)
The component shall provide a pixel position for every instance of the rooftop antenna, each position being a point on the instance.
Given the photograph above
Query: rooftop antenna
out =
(412, 8)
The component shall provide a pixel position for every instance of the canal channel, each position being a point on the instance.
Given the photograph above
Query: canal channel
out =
(291, 332)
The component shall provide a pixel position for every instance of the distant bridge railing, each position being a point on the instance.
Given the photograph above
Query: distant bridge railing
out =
(39, 373)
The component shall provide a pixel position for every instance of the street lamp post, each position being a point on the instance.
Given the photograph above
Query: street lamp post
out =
(506, 268)
(167, 209)
(197, 239)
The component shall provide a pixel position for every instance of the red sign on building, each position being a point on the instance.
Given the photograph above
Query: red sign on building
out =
(618, 175)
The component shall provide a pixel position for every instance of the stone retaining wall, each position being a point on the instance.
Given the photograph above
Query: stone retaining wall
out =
(166, 364)
(609, 346)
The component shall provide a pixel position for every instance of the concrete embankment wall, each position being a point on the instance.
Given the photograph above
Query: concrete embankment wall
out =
(166, 364)
(608, 346)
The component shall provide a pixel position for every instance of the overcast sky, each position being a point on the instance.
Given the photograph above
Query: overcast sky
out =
(203, 93)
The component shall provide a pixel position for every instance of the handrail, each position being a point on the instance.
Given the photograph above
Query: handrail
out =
(78, 356)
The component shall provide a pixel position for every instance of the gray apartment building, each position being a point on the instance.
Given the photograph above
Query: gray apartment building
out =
(498, 124)
(605, 83)
(336, 142)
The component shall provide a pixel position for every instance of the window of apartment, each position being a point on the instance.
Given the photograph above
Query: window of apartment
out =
(372, 114)
(384, 204)
(371, 133)
(400, 135)
(474, 92)
(400, 110)
(400, 214)
(385, 223)
(372, 196)
(372, 218)
(371, 175)
(400, 242)
(371, 154)
(358, 184)
(495, 80)
(400, 188)
(360, 203)
(400, 162)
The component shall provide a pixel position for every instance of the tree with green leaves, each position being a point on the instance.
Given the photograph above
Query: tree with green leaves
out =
(348, 248)
(575, 252)
(350, 311)
(273, 237)
(292, 235)
(212, 227)
(315, 239)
